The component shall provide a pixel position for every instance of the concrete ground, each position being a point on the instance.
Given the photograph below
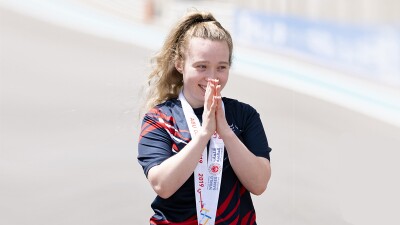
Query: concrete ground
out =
(69, 129)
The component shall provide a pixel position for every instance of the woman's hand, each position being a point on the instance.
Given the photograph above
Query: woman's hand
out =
(214, 114)
(222, 127)
(210, 105)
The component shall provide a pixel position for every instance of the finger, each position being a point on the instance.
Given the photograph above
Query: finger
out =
(218, 94)
(208, 87)
(215, 103)
(219, 103)
(213, 80)
(208, 95)
(216, 84)
(220, 111)
(212, 90)
(218, 90)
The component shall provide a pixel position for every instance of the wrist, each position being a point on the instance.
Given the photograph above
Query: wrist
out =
(205, 134)
(227, 134)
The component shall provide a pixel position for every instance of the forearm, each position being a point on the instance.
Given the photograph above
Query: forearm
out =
(253, 172)
(171, 174)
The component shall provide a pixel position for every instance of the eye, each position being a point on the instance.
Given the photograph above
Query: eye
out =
(221, 68)
(202, 67)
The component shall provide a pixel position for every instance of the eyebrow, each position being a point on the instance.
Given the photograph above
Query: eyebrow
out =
(222, 62)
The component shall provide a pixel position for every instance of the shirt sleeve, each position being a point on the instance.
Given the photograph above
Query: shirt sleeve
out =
(155, 144)
(253, 135)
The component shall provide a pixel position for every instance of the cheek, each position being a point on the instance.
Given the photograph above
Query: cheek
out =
(186, 74)
(189, 79)
(184, 78)
(223, 80)
(194, 76)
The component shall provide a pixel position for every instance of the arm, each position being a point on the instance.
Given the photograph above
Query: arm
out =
(167, 177)
(253, 172)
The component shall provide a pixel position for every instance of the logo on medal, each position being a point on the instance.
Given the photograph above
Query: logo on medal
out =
(214, 168)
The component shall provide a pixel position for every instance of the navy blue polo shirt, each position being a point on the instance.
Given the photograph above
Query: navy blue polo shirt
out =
(165, 132)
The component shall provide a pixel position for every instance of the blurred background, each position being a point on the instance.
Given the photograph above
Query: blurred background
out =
(324, 76)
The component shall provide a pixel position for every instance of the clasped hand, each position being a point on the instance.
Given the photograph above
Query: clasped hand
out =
(214, 116)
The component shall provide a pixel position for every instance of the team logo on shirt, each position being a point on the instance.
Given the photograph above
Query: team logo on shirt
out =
(214, 168)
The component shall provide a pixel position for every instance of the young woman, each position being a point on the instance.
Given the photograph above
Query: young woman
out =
(202, 154)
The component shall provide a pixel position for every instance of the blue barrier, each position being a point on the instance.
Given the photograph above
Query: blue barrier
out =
(371, 52)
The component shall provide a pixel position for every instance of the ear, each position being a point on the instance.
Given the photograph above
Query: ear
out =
(179, 66)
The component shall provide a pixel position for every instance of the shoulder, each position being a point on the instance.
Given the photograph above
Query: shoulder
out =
(166, 114)
(169, 104)
(240, 113)
(167, 108)
(236, 105)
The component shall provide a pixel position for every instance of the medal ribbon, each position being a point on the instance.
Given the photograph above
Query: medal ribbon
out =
(208, 173)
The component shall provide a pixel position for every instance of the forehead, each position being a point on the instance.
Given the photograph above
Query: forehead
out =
(208, 50)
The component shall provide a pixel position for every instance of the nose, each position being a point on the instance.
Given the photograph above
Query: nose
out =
(212, 74)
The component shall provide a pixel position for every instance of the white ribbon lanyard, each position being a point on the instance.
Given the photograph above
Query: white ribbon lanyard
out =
(208, 174)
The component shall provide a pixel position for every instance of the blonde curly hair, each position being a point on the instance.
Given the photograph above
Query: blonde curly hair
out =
(164, 81)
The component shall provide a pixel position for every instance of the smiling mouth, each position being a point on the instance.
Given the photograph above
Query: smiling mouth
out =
(203, 87)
